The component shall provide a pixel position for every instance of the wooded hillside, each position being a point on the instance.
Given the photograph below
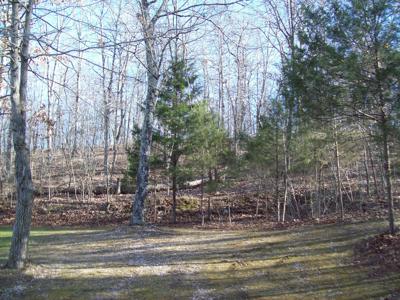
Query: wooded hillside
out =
(214, 114)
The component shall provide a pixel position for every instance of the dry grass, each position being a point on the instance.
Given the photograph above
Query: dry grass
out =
(312, 262)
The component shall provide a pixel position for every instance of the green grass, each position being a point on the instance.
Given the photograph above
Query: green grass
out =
(313, 262)
(6, 233)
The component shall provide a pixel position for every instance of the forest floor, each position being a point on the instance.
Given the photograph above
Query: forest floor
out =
(305, 262)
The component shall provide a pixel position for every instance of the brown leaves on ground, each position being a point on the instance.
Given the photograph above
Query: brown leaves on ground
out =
(71, 212)
(381, 251)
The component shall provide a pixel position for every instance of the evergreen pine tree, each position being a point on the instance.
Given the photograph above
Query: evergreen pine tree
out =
(177, 96)
(349, 65)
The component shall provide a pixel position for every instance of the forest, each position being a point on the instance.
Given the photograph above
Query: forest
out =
(199, 149)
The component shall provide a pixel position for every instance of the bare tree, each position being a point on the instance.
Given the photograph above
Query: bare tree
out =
(153, 73)
(19, 80)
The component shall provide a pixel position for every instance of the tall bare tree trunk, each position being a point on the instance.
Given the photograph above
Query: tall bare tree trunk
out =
(371, 160)
(77, 99)
(387, 173)
(118, 126)
(365, 161)
(221, 79)
(285, 177)
(278, 203)
(19, 79)
(174, 165)
(152, 64)
(338, 175)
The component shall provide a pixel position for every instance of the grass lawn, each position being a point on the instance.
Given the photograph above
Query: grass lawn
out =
(313, 262)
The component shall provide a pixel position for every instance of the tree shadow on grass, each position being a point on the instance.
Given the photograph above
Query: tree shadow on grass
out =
(330, 283)
(163, 263)
(157, 248)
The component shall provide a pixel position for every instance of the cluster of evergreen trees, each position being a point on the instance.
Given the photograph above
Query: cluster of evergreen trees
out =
(187, 141)
(344, 77)
(339, 84)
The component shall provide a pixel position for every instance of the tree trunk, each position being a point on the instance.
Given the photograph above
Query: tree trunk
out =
(371, 159)
(152, 64)
(19, 77)
(107, 97)
(317, 188)
(221, 80)
(285, 177)
(209, 208)
(366, 171)
(174, 189)
(202, 200)
(388, 175)
(338, 177)
(277, 172)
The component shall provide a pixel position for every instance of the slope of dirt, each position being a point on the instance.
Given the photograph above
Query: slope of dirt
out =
(311, 262)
